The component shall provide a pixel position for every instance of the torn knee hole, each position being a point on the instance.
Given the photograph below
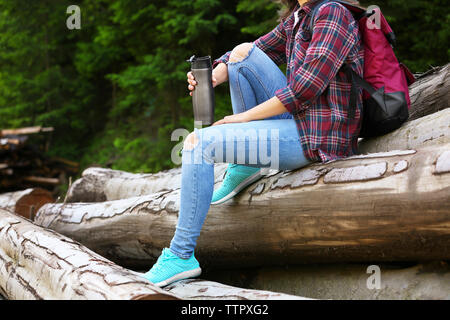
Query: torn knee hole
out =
(240, 52)
(191, 141)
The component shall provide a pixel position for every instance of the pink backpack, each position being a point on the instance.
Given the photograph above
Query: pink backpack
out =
(386, 96)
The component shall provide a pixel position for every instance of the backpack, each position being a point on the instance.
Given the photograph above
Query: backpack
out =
(386, 98)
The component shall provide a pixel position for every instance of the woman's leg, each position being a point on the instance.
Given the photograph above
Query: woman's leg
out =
(264, 143)
(253, 79)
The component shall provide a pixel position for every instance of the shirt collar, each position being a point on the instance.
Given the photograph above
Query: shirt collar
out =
(307, 8)
(295, 16)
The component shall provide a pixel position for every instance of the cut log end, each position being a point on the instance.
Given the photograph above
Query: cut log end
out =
(30, 204)
(26, 203)
(153, 297)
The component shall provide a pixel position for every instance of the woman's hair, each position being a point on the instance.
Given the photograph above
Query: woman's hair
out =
(289, 6)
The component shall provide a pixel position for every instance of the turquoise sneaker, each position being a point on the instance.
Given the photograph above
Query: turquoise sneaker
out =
(237, 178)
(170, 268)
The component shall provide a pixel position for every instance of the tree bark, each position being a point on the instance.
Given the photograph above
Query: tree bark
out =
(40, 264)
(197, 289)
(379, 207)
(430, 93)
(26, 202)
(101, 184)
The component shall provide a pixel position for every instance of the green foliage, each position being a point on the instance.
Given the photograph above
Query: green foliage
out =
(116, 89)
(260, 15)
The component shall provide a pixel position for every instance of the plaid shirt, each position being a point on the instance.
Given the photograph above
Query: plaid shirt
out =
(317, 92)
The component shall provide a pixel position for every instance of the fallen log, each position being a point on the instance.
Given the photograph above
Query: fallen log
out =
(101, 184)
(25, 131)
(430, 93)
(379, 207)
(40, 264)
(197, 289)
(26, 202)
(41, 180)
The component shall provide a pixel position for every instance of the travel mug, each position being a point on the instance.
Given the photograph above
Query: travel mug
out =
(203, 96)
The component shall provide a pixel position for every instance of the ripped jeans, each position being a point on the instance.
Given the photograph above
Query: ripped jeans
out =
(273, 142)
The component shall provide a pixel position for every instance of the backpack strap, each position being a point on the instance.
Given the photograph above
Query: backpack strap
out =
(357, 82)
(312, 16)
(353, 90)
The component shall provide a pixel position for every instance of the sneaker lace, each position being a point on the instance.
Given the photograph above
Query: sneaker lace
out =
(162, 260)
(230, 166)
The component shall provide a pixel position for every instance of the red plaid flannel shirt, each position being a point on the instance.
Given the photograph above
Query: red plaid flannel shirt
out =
(317, 92)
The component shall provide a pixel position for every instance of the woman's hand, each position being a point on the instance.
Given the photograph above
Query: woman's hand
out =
(193, 83)
(219, 75)
(239, 117)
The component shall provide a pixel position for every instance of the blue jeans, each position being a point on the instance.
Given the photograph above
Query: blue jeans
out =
(273, 142)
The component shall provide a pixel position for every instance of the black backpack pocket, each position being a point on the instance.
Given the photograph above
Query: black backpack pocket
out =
(383, 113)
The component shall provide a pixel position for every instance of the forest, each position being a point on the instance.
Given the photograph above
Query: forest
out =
(115, 89)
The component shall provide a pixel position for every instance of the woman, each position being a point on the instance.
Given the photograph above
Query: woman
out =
(299, 118)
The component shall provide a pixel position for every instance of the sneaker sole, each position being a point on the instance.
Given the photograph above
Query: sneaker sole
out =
(180, 276)
(247, 181)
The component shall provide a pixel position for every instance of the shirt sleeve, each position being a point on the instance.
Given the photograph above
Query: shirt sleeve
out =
(273, 44)
(333, 36)
(222, 59)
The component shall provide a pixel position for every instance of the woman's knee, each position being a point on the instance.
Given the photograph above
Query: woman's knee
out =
(207, 143)
(191, 141)
(198, 139)
(240, 52)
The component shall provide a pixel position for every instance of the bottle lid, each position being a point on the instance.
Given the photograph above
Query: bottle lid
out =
(200, 62)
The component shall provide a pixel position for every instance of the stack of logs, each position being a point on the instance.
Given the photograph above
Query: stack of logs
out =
(390, 203)
(24, 163)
